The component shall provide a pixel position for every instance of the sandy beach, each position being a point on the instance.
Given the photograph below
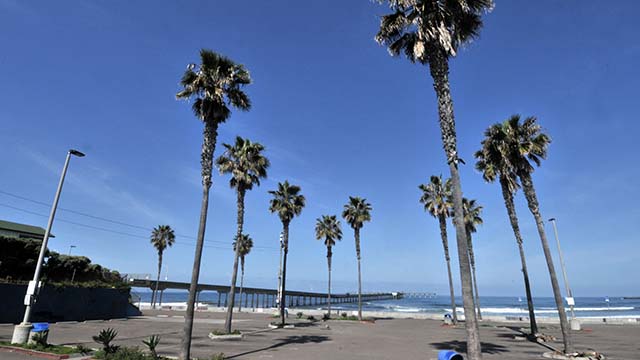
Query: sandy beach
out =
(387, 338)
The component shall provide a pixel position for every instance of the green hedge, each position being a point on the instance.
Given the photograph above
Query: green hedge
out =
(18, 262)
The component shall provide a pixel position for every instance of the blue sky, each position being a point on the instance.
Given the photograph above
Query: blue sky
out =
(339, 117)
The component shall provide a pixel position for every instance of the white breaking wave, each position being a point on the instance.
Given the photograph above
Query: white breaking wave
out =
(508, 310)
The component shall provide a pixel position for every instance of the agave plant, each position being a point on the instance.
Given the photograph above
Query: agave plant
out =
(152, 343)
(105, 337)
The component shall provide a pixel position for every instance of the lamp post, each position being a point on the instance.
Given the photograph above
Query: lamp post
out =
(21, 331)
(570, 299)
(71, 248)
(280, 269)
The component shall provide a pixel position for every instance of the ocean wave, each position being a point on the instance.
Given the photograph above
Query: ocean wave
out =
(510, 310)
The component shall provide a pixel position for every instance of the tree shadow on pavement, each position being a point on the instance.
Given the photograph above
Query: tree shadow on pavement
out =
(294, 339)
(461, 347)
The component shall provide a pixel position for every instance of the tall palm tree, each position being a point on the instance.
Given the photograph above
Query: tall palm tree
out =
(247, 165)
(472, 218)
(287, 202)
(214, 86)
(525, 144)
(436, 198)
(162, 237)
(245, 245)
(430, 32)
(328, 228)
(494, 164)
(356, 212)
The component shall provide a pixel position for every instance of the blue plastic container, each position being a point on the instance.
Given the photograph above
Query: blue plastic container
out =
(40, 327)
(449, 355)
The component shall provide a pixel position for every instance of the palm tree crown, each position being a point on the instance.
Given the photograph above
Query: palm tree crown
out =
(356, 212)
(246, 244)
(215, 84)
(525, 142)
(493, 158)
(472, 212)
(245, 162)
(162, 237)
(436, 196)
(287, 201)
(328, 228)
(420, 27)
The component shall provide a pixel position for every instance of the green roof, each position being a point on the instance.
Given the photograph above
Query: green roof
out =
(22, 228)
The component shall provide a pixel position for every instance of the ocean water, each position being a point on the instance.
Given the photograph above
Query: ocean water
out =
(585, 307)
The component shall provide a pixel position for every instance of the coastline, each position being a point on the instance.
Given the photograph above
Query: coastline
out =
(318, 313)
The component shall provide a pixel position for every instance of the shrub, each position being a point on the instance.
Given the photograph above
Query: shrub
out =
(40, 338)
(344, 314)
(151, 343)
(222, 332)
(105, 337)
(124, 353)
(299, 315)
(83, 350)
(219, 356)
(325, 317)
(311, 317)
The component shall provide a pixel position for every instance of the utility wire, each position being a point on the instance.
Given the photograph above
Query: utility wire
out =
(111, 220)
(111, 230)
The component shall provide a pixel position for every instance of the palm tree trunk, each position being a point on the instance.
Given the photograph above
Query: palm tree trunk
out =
(513, 218)
(241, 282)
(532, 200)
(472, 261)
(234, 274)
(445, 244)
(357, 236)
(329, 285)
(208, 147)
(283, 294)
(439, 68)
(155, 292)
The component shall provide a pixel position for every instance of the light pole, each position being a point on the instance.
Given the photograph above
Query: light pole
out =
(570, 299)
(21, 331)
(280, 269)
(73, 276)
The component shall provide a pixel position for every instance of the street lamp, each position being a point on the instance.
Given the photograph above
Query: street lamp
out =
(570, 299)
(70, 248)
(21, 331)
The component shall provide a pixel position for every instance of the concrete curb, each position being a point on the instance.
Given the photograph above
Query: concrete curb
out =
(34, 353)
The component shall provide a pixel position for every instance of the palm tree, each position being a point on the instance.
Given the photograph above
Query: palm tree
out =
(430, 32)
(247, 165)
(328, 228)
(246, 244)
(493, 162)
(472, 218)
(215, 86)
(356, 212)
(162, 237)
(436, 197)
(287, 202)
(525, 143)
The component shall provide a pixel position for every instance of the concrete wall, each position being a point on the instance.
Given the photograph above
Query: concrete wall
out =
(65, 304)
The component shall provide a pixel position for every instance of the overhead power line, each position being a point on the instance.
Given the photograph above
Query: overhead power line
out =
(228, 245)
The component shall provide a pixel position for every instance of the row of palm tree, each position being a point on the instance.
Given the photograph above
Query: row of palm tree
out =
(437, 200)
(509, 151)
(356, 212)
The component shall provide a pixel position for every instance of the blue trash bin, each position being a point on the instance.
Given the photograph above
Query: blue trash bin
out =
(40, 327)
(449, 355)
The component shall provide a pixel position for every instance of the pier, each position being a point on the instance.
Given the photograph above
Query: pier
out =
(260, 297)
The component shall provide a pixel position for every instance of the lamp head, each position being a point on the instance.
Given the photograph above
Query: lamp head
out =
(552, 219)
(76, 153)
